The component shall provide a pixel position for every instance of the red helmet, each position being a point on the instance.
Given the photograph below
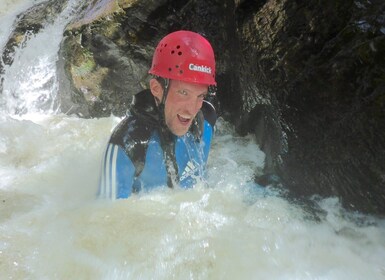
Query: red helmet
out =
(186, 56)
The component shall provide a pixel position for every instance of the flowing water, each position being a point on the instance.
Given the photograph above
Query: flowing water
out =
(52, 227)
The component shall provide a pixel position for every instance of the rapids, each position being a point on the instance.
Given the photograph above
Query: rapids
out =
(53, 227)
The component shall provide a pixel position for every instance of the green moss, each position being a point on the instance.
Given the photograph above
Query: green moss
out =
(84, 64)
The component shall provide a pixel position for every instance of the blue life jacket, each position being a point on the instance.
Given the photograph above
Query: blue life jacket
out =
(143, 154)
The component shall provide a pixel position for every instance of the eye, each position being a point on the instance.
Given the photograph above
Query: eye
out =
(182, 92)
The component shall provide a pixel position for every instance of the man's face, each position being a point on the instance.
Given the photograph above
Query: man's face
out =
(183, 102)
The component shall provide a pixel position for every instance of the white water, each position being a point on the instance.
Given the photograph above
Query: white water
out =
(52, 227)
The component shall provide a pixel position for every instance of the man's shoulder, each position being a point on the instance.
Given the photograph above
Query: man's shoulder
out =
(132, 135)
(131, 129)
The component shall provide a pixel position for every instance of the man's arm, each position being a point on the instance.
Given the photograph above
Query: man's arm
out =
(117, 174)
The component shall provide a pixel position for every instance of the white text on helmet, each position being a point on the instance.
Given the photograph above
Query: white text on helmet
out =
(199, 68)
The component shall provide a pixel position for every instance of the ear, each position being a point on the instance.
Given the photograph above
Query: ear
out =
(156, 89)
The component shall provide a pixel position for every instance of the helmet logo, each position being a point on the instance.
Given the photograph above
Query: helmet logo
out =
(199, 68)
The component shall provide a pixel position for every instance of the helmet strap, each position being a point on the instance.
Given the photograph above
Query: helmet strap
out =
(166, 85)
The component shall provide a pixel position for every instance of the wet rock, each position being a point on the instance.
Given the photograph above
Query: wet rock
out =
(319, 67)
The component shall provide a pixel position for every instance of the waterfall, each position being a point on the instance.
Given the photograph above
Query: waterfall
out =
(30, 83)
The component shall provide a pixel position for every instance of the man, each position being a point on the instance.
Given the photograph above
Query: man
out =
(165, 138)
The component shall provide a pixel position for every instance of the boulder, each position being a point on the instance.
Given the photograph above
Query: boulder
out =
(106, 54)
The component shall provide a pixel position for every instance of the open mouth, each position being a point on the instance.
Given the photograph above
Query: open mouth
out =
(184, 120)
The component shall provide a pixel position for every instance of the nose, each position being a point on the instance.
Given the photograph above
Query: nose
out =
(194, 105)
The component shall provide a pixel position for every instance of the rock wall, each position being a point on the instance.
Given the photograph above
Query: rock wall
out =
(313, 81)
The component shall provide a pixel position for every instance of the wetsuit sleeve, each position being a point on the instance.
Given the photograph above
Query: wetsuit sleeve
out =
(117, 174)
